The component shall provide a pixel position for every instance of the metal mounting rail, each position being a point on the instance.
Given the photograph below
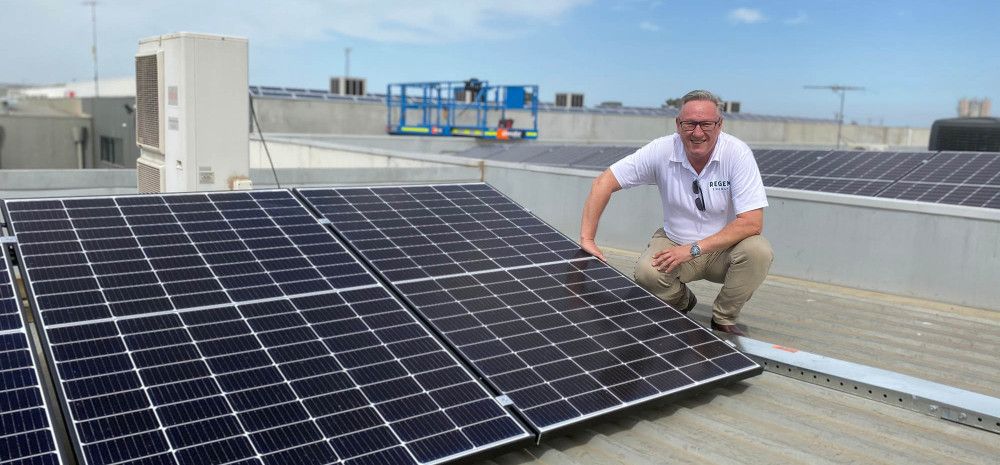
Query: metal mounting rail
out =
(919, 395)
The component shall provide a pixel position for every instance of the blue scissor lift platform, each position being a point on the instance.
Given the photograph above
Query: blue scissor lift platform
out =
(470, 108)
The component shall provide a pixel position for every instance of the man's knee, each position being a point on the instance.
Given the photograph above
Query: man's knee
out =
(755, 250)
(647, 276)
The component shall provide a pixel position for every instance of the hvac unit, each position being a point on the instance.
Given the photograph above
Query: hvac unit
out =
(966, 134)
(567, 100)
(191, 113)
(731, 107)
(347, 86)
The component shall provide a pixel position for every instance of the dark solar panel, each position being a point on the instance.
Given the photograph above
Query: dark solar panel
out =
(959, 168)
(26, 435)
(603, 157)
(864, 187)
(956, 194)
(234, 328)
(420, 232)
(563, 335)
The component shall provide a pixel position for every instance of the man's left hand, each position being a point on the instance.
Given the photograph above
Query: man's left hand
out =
(669, 259)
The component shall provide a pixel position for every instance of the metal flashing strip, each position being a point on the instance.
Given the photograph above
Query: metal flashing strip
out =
(919, 395)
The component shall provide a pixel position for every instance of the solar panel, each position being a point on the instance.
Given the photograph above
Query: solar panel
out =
(234, 328)
(563, 335)
(975, 168)
(844, 172)
(26, 434)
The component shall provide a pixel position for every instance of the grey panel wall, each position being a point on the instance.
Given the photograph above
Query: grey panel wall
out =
(40, 142)
(112, 119)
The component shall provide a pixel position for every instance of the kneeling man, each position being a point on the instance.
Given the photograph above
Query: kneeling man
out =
(713, 212)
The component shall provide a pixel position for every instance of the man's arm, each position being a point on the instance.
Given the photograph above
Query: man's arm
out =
(601, 189)
(746, 224)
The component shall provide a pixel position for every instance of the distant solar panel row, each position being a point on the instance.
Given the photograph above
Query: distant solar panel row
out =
(234, 328)
(26, 434)
(564, 336)
(957, 178)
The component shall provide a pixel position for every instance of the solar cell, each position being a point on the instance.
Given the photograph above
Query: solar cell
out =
(234, 328)
(563, 335)
(26, 434)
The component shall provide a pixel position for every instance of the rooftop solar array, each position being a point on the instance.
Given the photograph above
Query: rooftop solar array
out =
(960, 178)
(234, 328)
(563, 335)
(26, 434)
(842, 172)
(956, 178)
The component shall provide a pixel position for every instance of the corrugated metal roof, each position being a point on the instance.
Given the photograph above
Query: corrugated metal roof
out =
(771, 419)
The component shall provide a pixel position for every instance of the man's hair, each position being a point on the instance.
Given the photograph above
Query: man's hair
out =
(701, 95)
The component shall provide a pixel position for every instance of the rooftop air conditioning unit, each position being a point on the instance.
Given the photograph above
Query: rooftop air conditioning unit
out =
(191, 113)
(347, 86)
(966, 134)
(567, 100)
(731, 107)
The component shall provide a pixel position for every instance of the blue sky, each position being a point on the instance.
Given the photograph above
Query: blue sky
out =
(915, 58)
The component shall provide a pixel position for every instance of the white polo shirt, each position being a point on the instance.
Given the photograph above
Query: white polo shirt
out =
(730, 184)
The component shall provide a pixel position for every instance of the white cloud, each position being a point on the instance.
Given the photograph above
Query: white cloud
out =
(746, 16)
(797, 19)
(648, 26)
(50, 39)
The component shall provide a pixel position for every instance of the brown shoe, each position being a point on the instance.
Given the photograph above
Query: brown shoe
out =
(731, 329)
(692, 301)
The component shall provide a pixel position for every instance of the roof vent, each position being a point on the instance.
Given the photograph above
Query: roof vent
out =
(347, 86)
(568, 100)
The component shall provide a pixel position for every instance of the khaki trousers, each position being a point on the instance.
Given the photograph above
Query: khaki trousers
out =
(740, 269)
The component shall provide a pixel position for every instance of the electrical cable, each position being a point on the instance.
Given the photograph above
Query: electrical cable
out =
(260, 132)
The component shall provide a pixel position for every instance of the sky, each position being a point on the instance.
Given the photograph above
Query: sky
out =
(914, 58)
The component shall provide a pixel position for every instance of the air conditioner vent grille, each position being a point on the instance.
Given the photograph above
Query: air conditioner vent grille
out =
(147, 101)
(150, 177)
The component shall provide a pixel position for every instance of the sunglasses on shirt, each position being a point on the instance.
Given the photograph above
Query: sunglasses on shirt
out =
(700, 200)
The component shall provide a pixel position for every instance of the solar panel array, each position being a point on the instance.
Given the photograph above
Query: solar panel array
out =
(26, 434)
(842, 172)
(956, 178)
(564, 336)
(234, 328)
(959, 178)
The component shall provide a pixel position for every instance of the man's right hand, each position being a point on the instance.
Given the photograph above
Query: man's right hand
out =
(589, 246)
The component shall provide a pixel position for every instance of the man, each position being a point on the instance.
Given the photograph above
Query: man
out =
(713, 212)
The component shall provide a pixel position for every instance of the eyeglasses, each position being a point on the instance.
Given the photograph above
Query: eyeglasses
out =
(688, 126)
(698, 201)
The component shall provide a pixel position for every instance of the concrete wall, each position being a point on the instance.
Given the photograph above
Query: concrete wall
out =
(60, 183)
(319, 117)
(366, 118)
(40, 142)
(39, 133)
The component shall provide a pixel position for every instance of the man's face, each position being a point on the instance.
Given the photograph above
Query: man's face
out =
(695, 116)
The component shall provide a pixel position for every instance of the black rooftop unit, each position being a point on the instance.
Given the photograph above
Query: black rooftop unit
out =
(966, 134)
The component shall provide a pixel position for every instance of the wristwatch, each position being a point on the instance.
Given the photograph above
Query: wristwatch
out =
(695, 250)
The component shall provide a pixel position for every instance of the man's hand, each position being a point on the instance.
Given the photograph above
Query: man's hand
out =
(589, 246)
(669, 259)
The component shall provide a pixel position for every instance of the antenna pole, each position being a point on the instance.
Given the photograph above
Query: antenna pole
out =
(93, 48)
(842, 90)
(347, 62)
